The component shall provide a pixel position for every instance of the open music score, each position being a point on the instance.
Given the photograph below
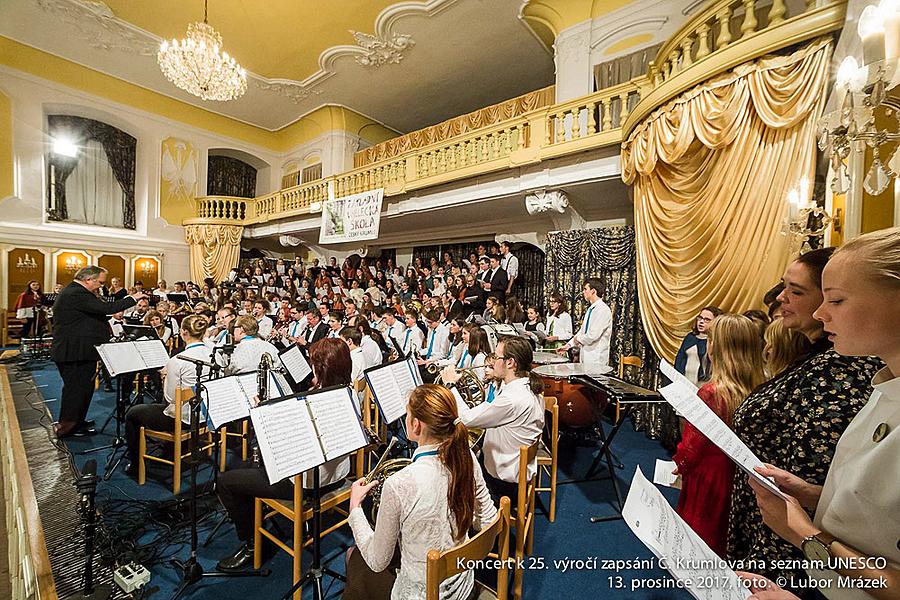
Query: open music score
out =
(128, 357)
(230, 398)
(682, 395)
(391, 384)
(687, 557)
(300, 433)
(295, 363)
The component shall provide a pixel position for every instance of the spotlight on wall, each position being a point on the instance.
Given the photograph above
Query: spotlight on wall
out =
(65, 147)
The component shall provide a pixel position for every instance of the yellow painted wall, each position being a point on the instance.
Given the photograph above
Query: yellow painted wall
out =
(6, 151)
(327, 118)
(878, 211)
(627, 43)
(178, 181)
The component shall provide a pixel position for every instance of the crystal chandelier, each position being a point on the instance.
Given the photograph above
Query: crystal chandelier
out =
(861, 90)
(197, 65)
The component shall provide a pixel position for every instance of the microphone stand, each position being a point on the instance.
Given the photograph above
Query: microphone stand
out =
(226, 350)
(86, 484)
(191, 570)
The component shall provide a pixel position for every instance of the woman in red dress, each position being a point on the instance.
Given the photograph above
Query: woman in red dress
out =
(707, 474)
(26, 309)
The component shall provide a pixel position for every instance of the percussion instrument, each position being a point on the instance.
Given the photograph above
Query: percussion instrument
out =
(548, 358)
(578, 404)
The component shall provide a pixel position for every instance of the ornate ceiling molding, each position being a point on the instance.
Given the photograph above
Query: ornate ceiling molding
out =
(379, 51)
(95, 24)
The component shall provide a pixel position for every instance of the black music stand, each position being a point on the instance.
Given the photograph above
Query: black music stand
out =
(191, 570)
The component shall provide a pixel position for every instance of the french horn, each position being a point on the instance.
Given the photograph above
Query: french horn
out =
(473, 391)
(383, 469)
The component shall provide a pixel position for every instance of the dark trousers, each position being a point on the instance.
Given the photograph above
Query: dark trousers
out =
(237, 489)
(365, 584)
(78, 389)
(28, 327)
(144, 415)
(499, 488)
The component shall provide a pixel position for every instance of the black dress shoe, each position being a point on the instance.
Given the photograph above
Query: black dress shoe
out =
(88, 423)
(83, 431)
(131, 469)
(238, 561)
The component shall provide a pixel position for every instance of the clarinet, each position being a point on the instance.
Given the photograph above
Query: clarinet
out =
(262, 384)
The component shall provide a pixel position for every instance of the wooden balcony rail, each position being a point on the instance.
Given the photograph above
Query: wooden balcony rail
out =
(720, 36)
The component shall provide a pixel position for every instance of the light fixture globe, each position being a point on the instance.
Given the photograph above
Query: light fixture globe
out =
(197, 64)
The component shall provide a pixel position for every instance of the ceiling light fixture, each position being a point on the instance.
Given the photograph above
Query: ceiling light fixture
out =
(197, 65)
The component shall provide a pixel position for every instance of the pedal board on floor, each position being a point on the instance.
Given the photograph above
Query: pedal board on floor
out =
(131, 577)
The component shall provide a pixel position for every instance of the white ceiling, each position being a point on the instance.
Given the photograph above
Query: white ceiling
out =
(466, 54)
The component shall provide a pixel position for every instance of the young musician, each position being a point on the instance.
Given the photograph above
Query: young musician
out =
(335, 324)
(27, 307)
(437, 345)
(215, 336)
(559, 322)
(431, 504)
(264, 323)
(393, 327)
(353, 338)
(154, 320)
(534, 321)
(596, 330)
(249, 347)
(512, 418)
(178, 374)
(412, 335)
(237, 488)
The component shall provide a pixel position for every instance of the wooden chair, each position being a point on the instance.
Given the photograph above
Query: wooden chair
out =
(177, 437)
(225, 435)
(523, 521)
(442, 565)
(627, 361)
(547, 458)
(266, 508)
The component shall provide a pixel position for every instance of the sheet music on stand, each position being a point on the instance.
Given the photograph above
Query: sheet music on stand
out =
(299, 433)
(687, 557)
(682, 395)
(129, 357)
(295, 363)
(391, 384)
(230, 398)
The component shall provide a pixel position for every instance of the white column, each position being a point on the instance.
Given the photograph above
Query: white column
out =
(854, 198)
(572, 54)
(896, 204)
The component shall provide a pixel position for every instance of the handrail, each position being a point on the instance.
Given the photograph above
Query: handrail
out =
(722, 35)
(31, 576)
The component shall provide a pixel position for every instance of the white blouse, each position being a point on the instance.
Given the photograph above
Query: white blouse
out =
(559, 326)
(183, 374)
(414, 511)
(860, 502)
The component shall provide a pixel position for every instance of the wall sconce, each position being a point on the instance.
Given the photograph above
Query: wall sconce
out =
(806, 222)
(26, 264)
(73, 263)
(148, 267)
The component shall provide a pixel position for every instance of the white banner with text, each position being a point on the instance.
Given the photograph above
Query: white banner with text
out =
(351, 218)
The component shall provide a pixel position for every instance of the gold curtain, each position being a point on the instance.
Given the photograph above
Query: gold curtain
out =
(711, 171)
(484, 117)
(215, 249)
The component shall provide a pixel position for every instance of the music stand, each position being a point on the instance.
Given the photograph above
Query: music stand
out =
(317, 570)
(191, 570)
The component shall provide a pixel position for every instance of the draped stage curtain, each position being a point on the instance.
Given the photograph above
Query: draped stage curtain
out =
(711, 172)
(93, 195)
(609, 253)
(228, 176)
(215, 249)
(120, 151)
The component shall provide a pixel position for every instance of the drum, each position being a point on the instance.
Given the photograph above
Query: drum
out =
(578, 405)
(549, 358)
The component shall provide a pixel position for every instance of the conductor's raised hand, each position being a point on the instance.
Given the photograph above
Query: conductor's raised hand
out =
(359, 491)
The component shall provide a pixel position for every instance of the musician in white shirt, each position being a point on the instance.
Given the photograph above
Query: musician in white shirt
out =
(352, 337)
(423, 507)
(510, 264)
(178, 374)
(297, 327)
(394, 328)
(595, 332)
(559, 322)
(412, 336)
(264, 323)
(512, 418)
(437, 344)
(249, 347)
(215, 336)
(116, 322)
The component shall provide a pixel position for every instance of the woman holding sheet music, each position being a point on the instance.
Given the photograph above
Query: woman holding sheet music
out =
(431, 504)
(178, 374)
(331, 364)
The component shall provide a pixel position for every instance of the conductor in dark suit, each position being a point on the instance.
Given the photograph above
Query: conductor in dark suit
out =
(80, 323)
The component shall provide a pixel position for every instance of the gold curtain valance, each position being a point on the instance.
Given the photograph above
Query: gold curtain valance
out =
(215, 249)
(711, 172)
(446, 130)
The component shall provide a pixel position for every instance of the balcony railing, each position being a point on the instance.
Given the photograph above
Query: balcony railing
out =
(722, 35)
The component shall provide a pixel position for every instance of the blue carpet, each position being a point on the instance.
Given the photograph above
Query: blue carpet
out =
(553, 569)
